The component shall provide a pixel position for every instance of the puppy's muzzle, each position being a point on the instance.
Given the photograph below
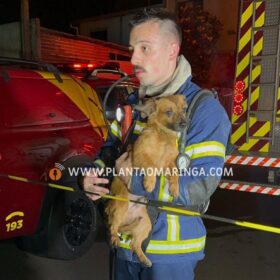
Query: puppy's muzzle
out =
(181, 124)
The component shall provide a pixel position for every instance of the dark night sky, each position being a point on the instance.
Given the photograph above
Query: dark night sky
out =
(56, 14)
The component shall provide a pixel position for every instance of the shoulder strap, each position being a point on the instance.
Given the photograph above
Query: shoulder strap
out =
(202, 94)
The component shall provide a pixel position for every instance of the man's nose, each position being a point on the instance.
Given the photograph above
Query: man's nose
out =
(135, 59)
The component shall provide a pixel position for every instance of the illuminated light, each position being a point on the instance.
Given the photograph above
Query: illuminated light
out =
(58, 93)
(77, 66)
(90, 66)
(238, 98)
(238, 110)
(87, 148)
(239, 86)
(119, 114)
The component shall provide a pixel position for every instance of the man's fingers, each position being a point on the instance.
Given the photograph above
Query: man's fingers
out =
(94, 197)
(91, 184)
(93, 180)
(98, 181)
(99, 190)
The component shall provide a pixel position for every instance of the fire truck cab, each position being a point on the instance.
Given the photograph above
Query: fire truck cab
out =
(48, 121)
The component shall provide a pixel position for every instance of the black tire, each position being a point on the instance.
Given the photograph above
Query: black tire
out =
(71, 225)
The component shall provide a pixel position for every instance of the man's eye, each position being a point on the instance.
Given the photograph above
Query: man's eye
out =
(144, 48)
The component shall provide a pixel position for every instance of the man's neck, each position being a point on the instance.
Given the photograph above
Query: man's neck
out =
(172, 85)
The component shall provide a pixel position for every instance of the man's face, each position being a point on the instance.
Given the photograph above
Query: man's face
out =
(150, 54)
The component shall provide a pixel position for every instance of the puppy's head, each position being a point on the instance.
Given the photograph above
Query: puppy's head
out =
(169, 111)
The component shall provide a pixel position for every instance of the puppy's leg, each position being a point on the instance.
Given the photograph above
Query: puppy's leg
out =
(174, 185)
(144, 160)
(129, 227)
(139, 234)
(115, 218)
(174, 177)
(149, 182)
(116, 210)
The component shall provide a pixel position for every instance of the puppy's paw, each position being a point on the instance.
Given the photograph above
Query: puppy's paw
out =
(149, 183)
(174, 190)
(115, 240)
(147, 263)
(174, 186)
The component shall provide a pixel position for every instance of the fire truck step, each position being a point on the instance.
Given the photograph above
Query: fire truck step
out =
(260, 137)
(260, 28)
(262, 84)
(257, 59)
(262, 111)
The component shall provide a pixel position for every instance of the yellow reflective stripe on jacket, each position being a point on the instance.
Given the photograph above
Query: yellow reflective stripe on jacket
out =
(206, 149)
(176, 247)
(116, 129)
(164, 247)
(173, 226)
(163, 190)
(139, 126)
(99, 163)
(173, 230)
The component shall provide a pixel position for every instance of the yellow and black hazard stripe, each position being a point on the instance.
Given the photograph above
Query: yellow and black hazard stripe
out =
(257, 128)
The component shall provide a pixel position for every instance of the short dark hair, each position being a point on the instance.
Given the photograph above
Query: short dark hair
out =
(160, 15)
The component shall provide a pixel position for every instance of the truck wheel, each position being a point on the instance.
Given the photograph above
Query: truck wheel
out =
(72, 228)
(71, 225)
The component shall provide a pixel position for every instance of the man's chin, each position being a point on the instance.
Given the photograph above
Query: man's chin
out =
(144, 82)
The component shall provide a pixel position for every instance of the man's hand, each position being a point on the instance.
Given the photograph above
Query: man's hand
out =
(123, 165)
(91, 184)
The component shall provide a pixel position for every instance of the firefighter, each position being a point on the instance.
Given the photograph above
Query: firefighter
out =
(177, 242)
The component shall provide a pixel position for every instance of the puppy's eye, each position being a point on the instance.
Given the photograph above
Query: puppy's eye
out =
(169, 113)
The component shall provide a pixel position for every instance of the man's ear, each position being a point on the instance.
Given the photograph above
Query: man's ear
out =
(174, 50)
(147, 108)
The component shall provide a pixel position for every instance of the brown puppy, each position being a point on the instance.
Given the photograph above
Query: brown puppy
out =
(155, 148)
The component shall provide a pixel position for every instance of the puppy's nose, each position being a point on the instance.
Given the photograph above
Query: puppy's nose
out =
(183, 123)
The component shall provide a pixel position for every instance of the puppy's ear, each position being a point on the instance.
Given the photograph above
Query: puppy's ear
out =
(147, 108)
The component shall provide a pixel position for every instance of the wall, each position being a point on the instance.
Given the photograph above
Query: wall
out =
(55, 47)
(59, 47)
(227, 12)
(10, 40)
(117, 28)
(117, 25)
